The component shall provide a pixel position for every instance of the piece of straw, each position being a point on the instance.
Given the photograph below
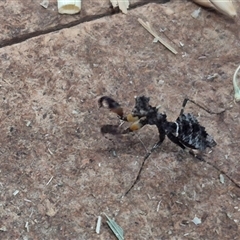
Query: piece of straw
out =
(156, 37)
(99, 221)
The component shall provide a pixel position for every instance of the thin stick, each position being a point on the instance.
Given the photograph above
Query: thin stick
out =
(152, 31)
(158, 206)
(99, 222)
(49, 180)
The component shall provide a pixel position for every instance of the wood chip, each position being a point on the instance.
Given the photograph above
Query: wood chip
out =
(15, 192)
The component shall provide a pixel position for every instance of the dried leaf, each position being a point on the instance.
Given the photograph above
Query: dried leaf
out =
(226, 7)
(122, 4)
(51, 209)
(114, 3)
(204, 3)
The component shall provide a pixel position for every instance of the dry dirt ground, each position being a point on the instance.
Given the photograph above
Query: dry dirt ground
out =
(58, 173)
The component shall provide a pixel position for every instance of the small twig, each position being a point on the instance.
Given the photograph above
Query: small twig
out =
(31, 213)
(50, 151)
(157, 38)
(49, 180)
(158, 206)
(99, 221)
(27, 226)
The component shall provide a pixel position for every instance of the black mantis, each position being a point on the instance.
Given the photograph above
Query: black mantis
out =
(186, 132)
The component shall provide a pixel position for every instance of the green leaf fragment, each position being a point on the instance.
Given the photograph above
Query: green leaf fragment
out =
(116, 229)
